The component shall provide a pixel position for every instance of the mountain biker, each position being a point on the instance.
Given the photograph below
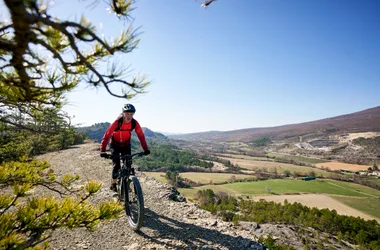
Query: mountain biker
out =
(120, 132)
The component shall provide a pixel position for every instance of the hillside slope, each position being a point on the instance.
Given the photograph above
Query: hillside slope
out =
(363, 121)
(167, 225)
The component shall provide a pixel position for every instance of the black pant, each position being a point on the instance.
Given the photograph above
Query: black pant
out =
(115, 150)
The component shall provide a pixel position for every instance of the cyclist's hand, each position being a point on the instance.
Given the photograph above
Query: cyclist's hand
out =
(103, 154)
(146, 152)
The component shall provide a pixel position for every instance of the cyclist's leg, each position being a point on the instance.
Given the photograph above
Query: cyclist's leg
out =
(115, 150)
(126, 149)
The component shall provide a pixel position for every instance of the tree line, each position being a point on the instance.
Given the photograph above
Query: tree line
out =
(170, 158)
(45, 131)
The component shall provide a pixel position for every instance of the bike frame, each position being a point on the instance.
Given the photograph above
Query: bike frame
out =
(126, 169)
(124, 183)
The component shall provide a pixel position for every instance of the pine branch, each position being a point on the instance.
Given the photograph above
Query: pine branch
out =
(29, 28)
(10, 205)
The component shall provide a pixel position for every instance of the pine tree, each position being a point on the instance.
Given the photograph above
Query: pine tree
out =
(30, 80)
(32, 89)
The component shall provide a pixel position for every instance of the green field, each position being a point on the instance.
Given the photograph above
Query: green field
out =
(367, 205)
(296, 158)
(202, 178)
(328, 187)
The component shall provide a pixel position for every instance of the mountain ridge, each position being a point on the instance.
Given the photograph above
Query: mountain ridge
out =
(361, 121)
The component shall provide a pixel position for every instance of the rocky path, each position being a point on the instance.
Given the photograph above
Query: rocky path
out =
(167, 225)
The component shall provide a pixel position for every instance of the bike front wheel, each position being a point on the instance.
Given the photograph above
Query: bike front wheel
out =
(133, 202)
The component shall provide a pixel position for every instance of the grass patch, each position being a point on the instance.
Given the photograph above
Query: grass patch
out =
(359, 189)
(367, 205)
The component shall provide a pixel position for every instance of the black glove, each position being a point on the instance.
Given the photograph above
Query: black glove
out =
(103, 154)
(146, 152)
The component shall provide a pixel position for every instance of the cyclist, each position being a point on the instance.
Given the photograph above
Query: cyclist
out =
(120, 132)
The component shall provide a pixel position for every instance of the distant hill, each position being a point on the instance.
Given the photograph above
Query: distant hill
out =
(96, 132)
(363, 121)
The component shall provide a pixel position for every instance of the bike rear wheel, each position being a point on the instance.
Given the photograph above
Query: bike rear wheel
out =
(133, 202)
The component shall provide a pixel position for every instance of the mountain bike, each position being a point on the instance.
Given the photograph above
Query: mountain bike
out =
(129, 190)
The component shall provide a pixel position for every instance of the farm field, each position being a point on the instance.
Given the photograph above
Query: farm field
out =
(339, 165)
(368, 205)
(346, 198)
(343, 205)
(272, 166)
(280, 186)
(350, 194)
(296, 158)
(202, 178)
(245, 157)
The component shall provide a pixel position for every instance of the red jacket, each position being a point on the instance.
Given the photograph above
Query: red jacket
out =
(122, 137)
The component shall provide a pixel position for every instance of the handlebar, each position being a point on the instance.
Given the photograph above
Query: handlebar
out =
(121, 155)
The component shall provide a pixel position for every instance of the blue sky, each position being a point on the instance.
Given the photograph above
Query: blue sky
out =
(240, 64)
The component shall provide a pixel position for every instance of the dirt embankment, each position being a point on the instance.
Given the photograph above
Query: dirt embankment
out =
(167, 225)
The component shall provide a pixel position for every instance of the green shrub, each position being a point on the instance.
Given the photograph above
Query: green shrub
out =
(30, 222)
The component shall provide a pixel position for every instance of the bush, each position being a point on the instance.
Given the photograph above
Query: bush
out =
(30, 222)
(205, 197)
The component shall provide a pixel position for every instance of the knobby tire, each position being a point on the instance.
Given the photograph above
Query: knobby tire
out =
(132, 198)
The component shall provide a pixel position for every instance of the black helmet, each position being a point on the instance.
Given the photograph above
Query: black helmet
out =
(129, 108)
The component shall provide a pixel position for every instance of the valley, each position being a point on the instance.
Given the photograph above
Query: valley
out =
(270, 162)
(345, 198)
(332, 168)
